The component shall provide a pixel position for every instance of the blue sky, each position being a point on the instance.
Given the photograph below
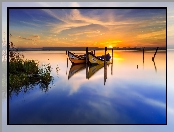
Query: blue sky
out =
(170, 12)
(88, 27)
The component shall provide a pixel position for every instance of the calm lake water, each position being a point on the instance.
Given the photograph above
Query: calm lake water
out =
(122, 93)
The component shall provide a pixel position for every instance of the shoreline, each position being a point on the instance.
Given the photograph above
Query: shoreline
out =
(84, 49)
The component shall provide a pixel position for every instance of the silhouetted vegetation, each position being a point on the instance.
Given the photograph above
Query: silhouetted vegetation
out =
(25, 74)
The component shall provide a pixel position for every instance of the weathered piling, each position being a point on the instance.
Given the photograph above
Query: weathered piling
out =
(112, 62)
(137, 66)
(155, 54)
(112, 55)
(153, 58)
(87, 71)
(156, 51)
(94, 52)
(67, 62)
(155, 66)
(105, 66)
(143, 55)
(105, 73)
(105, 56)
(112, 69)
(105, 49)
(86, 54)
(87, 63)
(67, 52)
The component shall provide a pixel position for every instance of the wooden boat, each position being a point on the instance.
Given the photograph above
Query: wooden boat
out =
(76, 59)
(76, 68)
(97, 60)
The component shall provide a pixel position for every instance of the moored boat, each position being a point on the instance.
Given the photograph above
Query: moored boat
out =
(76, 59)
(98, 60)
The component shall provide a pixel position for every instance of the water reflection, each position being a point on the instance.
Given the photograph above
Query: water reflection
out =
(75, 68)
(153, 59)
(90, 70)
(26, 74)
(29, 84)
(67, 65)
(92, 96)
(154, 65)
(143, 59)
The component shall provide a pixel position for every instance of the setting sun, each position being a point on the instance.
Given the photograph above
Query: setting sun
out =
(86, 27)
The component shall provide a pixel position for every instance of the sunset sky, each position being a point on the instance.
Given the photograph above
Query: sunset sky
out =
(87, 27)
(112, 128)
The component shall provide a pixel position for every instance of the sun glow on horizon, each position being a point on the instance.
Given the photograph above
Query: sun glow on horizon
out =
(86, 27)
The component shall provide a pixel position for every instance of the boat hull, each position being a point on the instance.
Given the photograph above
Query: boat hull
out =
(76, 59)
(94, 60)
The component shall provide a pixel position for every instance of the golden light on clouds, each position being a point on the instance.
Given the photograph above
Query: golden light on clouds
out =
(88, 27)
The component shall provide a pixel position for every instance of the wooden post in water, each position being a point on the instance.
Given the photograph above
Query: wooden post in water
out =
(143, 55)
(87, 63)
(112, 69)
(86, 55)
(87, 71)
(67, 62)
(106, 63)
(156, 51)
(105, 66)
(105, 56)
(67, 52)
(112, 62)
(105, 73)
(94, 52)
(155, 66)
(155, 54)
(112, 55)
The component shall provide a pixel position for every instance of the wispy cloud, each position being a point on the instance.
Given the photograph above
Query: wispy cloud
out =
(150, 101)
(29, 23)
(160, 33)
(35, 36)
(30, 38)
(98, 25)
(74, 19)
(89, 32)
